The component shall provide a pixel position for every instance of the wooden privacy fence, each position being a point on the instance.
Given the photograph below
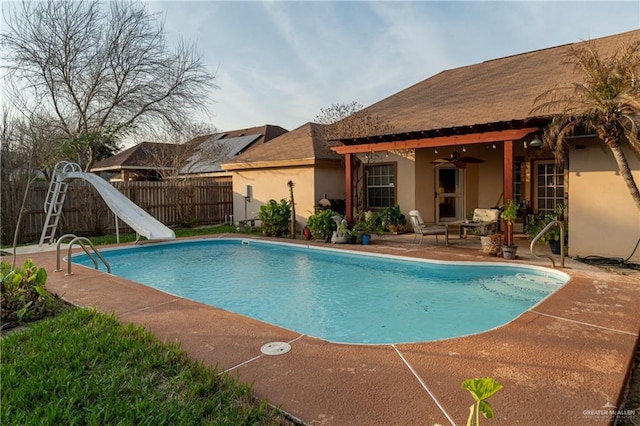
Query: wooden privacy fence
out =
(174, 203)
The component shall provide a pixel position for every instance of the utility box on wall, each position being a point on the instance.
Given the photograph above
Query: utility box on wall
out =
(247, 192)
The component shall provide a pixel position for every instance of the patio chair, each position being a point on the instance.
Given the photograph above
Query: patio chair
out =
(484, 222)
(420, 228)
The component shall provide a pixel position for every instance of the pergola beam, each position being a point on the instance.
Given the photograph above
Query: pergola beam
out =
(470, 139)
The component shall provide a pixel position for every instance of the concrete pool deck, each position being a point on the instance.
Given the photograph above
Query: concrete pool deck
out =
(566, 361)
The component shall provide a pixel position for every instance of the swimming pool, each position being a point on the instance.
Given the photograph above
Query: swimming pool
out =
(334, 295)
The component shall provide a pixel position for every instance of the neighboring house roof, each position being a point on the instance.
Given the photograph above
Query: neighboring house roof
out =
(301, 146)
(495, 91)
(145, 155)
(138, 157)
(266, 132)
(210, 153)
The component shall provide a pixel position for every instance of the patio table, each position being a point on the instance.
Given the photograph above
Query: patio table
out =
(464, 225)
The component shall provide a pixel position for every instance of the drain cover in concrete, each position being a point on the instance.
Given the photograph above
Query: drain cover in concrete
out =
(275, 348)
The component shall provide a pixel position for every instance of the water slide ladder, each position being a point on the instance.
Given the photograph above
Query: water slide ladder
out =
(82, 242)
(55, 199)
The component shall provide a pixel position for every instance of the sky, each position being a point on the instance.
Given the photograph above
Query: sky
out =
(281, 62)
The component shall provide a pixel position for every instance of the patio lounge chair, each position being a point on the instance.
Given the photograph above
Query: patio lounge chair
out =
(484, 222)
(420, 228)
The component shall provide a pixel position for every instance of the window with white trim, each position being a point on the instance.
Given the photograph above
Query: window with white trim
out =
(381, 188)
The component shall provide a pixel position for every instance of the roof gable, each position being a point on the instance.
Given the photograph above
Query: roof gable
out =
(303, 144)
(494, 91)
(140, 156)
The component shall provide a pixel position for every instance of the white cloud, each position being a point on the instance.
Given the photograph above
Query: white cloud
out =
(280, 62)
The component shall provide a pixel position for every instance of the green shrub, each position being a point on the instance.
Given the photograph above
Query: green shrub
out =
(275, 217)
(393, 216)
(321, 224)
(370, 222)
(23, 295)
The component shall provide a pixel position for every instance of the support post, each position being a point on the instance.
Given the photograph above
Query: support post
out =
(507, 178)
(348, 184)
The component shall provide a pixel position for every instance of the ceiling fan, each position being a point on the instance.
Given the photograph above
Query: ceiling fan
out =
(457, 160)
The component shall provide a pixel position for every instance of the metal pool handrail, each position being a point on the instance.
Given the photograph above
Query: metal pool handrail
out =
(544, 230)
(81, 241)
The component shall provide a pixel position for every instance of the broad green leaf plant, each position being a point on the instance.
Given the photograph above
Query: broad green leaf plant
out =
(24, 297)
(481, 390)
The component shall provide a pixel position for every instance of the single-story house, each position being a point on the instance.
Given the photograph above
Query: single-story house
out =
(301, 156)
(199, 157)
(462, 139)
(136, 163)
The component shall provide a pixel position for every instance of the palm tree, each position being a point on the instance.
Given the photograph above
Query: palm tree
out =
(606, 103)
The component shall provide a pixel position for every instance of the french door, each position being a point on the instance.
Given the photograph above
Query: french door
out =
(549, 187)
(449, 193)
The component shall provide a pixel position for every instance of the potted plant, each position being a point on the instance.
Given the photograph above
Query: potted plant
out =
(393, 220)
(509, 215)
(552, 235)
(370, 223)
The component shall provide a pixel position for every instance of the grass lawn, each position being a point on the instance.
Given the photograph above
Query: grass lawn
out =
(180, 232)
(82, 367)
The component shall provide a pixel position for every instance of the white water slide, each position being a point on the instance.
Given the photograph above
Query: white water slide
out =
(139, 220)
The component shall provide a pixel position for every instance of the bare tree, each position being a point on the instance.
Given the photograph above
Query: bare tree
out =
(20, 167)
(100, 70)
(179, 156)
(345, 121)
(179, 152)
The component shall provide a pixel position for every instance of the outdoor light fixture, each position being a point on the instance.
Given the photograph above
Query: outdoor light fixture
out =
(493, 146)
(464, 149)
(435, 151)
(535, 143)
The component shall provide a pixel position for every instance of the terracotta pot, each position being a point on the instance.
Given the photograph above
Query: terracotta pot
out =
(307, 233)
(491, 244)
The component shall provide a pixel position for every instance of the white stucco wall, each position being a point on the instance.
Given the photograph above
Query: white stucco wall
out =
(424, 190)
(405, 181)
(329, 181)
(603, 218)
(311, 183)
(490, 176)
(482, 182)
(270, 184)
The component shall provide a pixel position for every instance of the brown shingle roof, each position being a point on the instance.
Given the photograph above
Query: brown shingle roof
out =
(139, 156)
(267, 133)
(145, 154)
(303, 144)
(494, 91)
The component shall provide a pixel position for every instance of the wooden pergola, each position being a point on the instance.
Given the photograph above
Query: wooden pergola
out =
(435, 139)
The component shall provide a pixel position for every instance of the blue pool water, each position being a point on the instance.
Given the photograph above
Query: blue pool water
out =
(336, 296)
